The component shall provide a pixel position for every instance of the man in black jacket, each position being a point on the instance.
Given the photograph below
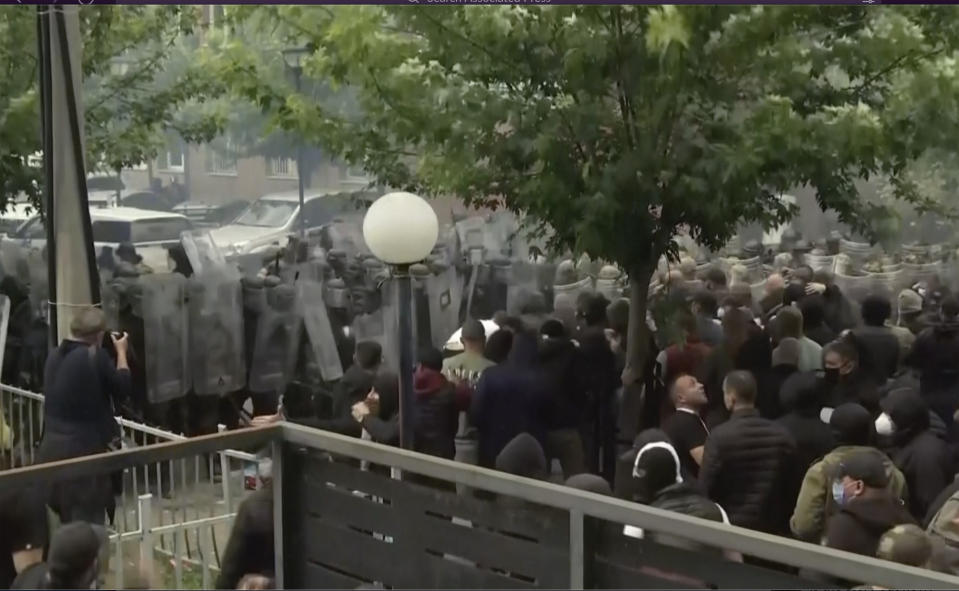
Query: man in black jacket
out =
(748, 466)
(867, 510)
(250, 548)
(879, 345)
(923, 457)
(845, 381)
(558, 362)
(934, 357)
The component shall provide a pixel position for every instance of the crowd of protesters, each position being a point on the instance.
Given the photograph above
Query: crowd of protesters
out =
(799, 413)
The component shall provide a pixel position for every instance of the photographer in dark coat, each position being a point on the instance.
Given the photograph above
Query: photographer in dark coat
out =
(83, 386)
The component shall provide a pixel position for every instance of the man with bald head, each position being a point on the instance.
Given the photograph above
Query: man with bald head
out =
(685, 428)
(772, 296)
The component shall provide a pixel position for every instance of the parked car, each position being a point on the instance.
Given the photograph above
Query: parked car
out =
(271, 219)
(211, 216)
(151, 232)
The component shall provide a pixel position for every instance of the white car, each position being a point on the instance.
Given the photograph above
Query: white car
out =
(151, 232)
(271, 219)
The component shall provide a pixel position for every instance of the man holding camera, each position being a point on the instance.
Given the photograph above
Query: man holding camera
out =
(83, 386)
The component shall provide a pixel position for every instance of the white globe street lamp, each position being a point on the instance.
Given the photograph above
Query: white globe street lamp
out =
(401, 229)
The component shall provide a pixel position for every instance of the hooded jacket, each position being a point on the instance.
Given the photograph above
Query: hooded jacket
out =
(676, 496)
(879, 349)
(858, 387)
(799, 396)
(559, 361)
(839, 312)
(922, 456)
(509, 399)
(523, 456)
(749, 468)
(437, 419)
(860, 523)
(934, 356)
(250, 547)
(814, 324)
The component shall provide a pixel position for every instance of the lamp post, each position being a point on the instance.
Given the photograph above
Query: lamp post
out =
(293, 57)
(401, 229)
(119, 67)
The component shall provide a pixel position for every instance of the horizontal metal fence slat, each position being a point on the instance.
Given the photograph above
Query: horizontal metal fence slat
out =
(756, 544)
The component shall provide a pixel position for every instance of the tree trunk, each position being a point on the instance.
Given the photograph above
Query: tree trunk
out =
(637, 340)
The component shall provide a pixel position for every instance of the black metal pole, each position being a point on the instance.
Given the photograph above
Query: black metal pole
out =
(406, 356)
(46, 127)
(297, 74)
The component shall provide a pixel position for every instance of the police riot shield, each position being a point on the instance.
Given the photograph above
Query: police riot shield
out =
(4, 327)
(522, 284)
(12, 258)
(609, 283)
(378, 321)
(216, 333)
(165, 336)
(858, 252)
(319, 331)
(444, 304)
(345, 234)
(110, 303)
(202, 251)
(855, 287)
(921, 273)
(820, 262)
(277, 341)
(421, 309)
(572, 291)
(39, 282)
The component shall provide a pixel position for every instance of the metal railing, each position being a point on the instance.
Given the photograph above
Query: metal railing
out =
(288, 438)
(190, 512)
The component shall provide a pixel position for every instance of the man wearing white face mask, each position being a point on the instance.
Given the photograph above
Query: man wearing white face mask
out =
(922, 456)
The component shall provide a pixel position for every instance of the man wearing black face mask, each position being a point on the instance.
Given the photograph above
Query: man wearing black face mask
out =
(844, 381)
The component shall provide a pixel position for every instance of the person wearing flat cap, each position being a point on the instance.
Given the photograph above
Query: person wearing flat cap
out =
(866, 509)
(73, 560)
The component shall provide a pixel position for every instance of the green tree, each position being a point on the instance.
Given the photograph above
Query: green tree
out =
(251, 55)
(140, 68)
(614, 128)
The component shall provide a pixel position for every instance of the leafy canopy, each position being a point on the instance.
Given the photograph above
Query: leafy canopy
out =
(617, 127)
(140, 66)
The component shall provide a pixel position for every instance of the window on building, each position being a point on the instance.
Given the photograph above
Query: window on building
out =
(173, 159)
(221, 160)
(281, 168)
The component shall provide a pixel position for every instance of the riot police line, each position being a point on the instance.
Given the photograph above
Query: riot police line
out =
(215, 333)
